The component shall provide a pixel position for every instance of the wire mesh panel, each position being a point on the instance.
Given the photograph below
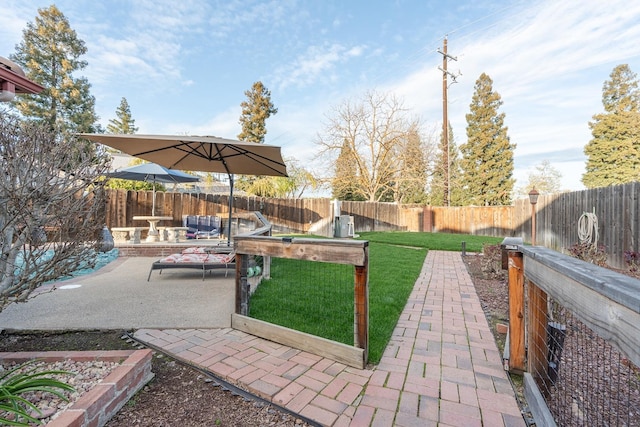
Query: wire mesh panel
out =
(584, 380)
(312, 297)
(313, 294)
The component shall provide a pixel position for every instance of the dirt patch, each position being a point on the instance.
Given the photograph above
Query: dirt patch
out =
(492, 287)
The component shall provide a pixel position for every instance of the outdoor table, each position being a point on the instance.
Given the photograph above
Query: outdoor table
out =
(153, 235)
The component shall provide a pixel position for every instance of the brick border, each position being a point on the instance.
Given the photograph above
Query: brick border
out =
(103, 401)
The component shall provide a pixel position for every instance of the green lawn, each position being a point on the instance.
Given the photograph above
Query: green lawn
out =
(317, 298)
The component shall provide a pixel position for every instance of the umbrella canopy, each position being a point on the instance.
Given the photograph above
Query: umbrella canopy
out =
(151, 172)
(200, 153)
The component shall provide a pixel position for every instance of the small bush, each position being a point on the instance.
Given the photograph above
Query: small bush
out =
(632, 258)
(492, 261)
(590, 253)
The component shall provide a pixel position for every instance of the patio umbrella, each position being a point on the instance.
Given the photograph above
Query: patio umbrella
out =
(200, 153)
(153, 173)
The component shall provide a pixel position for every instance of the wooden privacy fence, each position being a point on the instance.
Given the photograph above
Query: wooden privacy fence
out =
(617, 209)
(314, 216)
(596, 381)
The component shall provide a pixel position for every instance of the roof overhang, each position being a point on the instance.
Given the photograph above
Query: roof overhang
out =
(13, 80)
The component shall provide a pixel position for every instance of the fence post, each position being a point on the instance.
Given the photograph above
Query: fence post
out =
(242, 287)
(361, 306)
(516, 313)
(537, 331)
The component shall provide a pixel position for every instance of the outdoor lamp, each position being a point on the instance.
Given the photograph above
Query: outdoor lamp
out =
(533, 198)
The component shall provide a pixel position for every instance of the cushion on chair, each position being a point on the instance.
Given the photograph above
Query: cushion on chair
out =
(194, 250)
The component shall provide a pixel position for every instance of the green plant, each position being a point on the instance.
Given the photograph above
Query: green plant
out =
(15, 409)
(433, 241)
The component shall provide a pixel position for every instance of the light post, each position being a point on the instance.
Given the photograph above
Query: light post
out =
(533, 198)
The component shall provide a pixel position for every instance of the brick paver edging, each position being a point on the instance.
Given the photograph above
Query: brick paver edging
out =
(99, 404)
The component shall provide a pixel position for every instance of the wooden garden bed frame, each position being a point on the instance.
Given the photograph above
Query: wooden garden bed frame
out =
(337, 251)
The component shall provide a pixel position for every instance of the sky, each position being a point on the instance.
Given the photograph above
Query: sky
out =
(184, 66)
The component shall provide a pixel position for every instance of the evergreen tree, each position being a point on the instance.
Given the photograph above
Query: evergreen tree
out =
(437, 186)
(255, 112)
(412, 179)
(50, 54)
(613, 154)
(344, 182)
(123, 123)
(487, 157)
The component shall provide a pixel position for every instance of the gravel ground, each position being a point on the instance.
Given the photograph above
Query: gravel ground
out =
(82, 377)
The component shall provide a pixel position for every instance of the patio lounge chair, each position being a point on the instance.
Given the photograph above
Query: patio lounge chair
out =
(198, 258)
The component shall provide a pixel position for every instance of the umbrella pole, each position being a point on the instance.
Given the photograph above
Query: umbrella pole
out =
(230, 207)
(153, 199)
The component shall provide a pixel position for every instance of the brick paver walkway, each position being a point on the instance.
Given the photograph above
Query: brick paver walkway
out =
(441, 367)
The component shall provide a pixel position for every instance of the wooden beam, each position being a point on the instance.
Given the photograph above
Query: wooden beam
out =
(361, 308)
(605, 301)
(351, 252)
(516, 313)
(537, 336)
(541, 414)
(351, 356)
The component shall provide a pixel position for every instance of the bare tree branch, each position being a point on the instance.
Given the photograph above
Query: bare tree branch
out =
(48, 186)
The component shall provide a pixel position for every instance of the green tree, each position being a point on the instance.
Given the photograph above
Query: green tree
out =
(255, 112)
(123, 123)
(289, 187)
(256, 109)
(437, 182)
(343, 184)
(545, 179)
(487, 156)
(613, 154)
(412, 178)
(50, 54)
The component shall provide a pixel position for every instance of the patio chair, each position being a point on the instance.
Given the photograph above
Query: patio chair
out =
(202, 226)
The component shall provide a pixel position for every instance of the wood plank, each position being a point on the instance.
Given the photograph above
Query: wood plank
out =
(333, 350)
(351, 252)
(361, 308)
(516, 313)
(606, 301)
(537, 336)
(537, 405)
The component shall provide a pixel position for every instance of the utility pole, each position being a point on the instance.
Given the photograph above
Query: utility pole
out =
(445, 120)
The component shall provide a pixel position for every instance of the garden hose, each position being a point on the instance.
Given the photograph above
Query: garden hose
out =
(588, 228)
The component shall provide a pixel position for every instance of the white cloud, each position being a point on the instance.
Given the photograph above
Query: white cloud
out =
(317, 63)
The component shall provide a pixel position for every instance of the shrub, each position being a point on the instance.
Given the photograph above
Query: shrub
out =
(492, 261)
(632, 258)
(590, 253)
